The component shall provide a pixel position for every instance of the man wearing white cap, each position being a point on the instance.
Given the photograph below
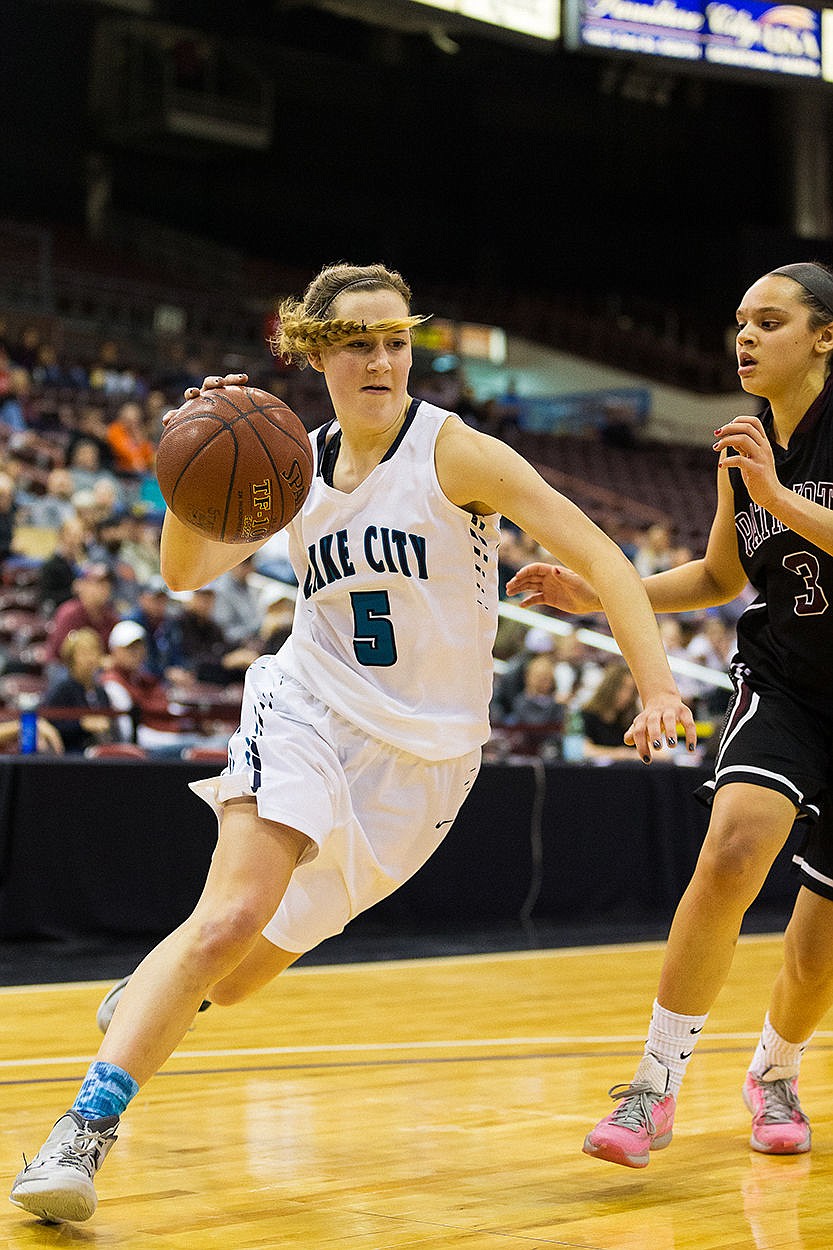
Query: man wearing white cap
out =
(138, 693)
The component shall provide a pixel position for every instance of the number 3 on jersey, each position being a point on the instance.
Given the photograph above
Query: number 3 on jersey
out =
(806, 566)
(373, 638)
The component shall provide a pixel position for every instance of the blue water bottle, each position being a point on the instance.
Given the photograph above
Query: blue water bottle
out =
(28, 724)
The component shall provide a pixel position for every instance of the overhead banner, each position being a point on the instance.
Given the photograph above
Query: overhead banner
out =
(539, 18)
(769, 38)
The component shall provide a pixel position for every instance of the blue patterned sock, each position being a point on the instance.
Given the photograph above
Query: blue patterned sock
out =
(106, 1091)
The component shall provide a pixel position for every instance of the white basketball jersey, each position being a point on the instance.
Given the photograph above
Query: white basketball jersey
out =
(396, 613)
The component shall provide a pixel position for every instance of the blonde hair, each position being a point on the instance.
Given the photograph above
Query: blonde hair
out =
(69, 646)
(304, 326)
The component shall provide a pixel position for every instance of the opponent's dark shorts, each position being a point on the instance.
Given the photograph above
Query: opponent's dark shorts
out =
(771, 739)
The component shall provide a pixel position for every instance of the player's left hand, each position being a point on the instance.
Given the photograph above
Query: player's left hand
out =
(657, 724)
(213, 381)
(746, 447)
(208, 384)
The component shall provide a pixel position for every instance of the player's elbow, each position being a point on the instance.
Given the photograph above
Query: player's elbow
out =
(177, 577)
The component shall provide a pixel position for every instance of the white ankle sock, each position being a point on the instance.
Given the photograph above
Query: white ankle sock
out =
(774, 1052)
(672, 1038)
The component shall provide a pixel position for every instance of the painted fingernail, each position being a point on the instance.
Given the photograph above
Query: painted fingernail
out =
(646, 759)
(657, 743)
(691, 746)
(672, 742)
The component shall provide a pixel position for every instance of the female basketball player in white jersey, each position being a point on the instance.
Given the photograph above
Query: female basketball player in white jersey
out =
(361, 738)
(773, 528)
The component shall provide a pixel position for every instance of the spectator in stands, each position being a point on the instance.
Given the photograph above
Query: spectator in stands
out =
(50, 510)
(179, 370)
(86, 509)
(206, 651)
(109, 375)
(108, 499)
(654, 550)
(91, 426)
(84, 465)
(577, 672)
(81, 654)
(58, 571)
(509, 683)
(607, 715)
(238, 608)
(537, 704)
(14, 400)
(132, 450)
(8, 516)
(27, 346)
(156, 406)
(773, 528)
(143, 697)
(675, 639)
(47, 372)
(139, 548)
(713, 646)
(48, 739)
(276, 625)
(537, 709)
(148, 718)
(91, 605)
(164, 656)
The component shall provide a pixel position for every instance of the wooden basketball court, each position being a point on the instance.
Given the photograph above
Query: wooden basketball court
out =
(423, 1104)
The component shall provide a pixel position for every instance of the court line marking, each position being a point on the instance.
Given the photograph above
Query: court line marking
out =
(352, 1048)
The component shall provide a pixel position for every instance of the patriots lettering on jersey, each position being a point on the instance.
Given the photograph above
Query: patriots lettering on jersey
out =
(385, 550)
(755, 524)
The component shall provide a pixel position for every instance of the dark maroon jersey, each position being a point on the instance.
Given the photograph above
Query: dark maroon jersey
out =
(785, 636)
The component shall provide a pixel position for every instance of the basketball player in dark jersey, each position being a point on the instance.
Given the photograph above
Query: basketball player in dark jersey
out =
(773, 528)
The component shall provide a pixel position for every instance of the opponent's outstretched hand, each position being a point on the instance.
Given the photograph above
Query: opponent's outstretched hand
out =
(555, 586)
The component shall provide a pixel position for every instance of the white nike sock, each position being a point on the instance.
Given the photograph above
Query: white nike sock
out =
(775, 1054)
(672, 1038)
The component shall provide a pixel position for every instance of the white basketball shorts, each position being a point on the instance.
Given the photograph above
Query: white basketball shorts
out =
(373, 813)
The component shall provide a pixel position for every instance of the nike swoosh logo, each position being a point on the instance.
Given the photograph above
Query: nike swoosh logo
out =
(686, 1054)
(440, 823)
(700, 1030)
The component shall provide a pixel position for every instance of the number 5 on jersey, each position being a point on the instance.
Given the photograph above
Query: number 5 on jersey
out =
(373, 638)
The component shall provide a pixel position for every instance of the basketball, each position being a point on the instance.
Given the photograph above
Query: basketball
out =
(234, 464)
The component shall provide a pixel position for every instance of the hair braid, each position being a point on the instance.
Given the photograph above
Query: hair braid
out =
(305, 328)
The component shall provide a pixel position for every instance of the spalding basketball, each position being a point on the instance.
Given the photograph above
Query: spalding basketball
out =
(235, 464)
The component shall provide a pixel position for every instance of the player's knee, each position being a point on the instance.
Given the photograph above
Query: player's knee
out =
(733, 857)
(226, 936)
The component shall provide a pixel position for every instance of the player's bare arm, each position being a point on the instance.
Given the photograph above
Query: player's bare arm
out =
(481, 473)
(717, 577)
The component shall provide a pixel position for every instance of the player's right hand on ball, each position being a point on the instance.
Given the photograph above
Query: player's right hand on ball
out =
(210, 384)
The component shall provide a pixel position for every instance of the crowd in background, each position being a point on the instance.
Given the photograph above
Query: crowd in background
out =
(86, 617)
